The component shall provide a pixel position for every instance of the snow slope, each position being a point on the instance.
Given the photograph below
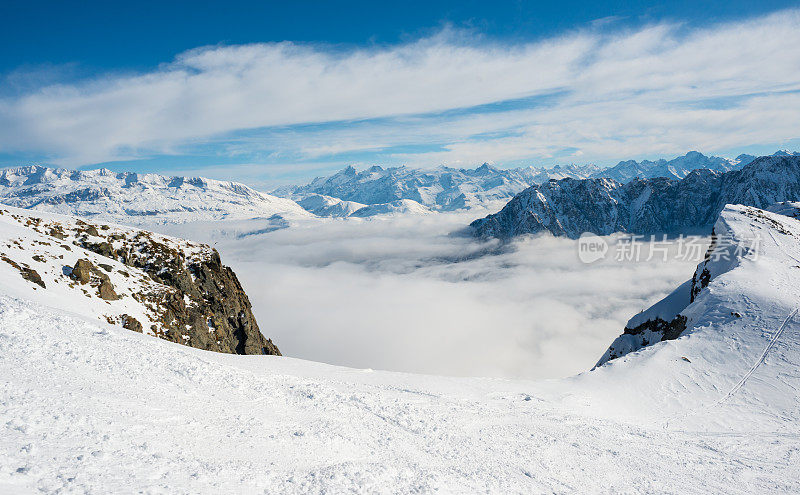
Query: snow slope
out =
(734, 360)
(137, 199)
(399, 207)
(326, 206)
(90, 407)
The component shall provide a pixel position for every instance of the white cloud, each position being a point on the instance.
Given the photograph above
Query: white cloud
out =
(386, 294)
(621, 93)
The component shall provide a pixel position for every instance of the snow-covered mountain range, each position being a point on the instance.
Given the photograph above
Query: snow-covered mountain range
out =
(442, 189)
(137, 199)
(88, 405)
(446, 188)
(571, 207)
(677, 168)
(152, 199)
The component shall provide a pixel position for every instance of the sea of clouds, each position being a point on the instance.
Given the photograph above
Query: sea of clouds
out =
(405, 294)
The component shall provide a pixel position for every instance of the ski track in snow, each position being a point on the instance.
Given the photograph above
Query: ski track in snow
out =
(761, 358)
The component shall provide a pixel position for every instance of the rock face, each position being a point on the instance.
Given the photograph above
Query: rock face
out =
(207, 299)
(171, 288)
(571, 207)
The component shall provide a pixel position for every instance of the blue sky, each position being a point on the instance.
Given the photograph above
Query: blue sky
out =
(275, 92)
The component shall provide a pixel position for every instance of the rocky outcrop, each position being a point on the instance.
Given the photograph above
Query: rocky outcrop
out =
(174, 289)
(206, 304)
(26, 272)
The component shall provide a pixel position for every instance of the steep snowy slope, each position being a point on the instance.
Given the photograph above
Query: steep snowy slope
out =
(137, 199)
(643, 206)
(722, 352)
(170, 288)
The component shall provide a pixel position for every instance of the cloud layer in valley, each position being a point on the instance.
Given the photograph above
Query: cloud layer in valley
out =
(592, 94)
(401, 294)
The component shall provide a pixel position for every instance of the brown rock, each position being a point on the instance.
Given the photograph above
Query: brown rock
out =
(131, 323)
(82, 271)
(106, 291)
(27, 273)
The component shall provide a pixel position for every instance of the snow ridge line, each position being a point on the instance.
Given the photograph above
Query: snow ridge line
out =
(760, 360)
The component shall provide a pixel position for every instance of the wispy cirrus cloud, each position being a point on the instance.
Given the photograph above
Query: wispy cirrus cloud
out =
(452, 98)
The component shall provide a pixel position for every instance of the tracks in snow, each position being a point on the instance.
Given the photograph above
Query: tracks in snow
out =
(761, 358)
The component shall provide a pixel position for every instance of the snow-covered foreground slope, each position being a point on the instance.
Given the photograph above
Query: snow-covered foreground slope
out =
(137, 199)
(92, 408)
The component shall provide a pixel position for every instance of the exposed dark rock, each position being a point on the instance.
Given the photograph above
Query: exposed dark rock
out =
(131, 323)
(57, 232)
(27, 273)
(106, 291)
(82, 271)
(205, 307)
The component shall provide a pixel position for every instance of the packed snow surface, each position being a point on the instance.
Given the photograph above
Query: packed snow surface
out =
(90, 407)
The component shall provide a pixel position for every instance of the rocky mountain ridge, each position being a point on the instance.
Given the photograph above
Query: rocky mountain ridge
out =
(171, 288)
(603, 206)
(448, 188)
(748, 245)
